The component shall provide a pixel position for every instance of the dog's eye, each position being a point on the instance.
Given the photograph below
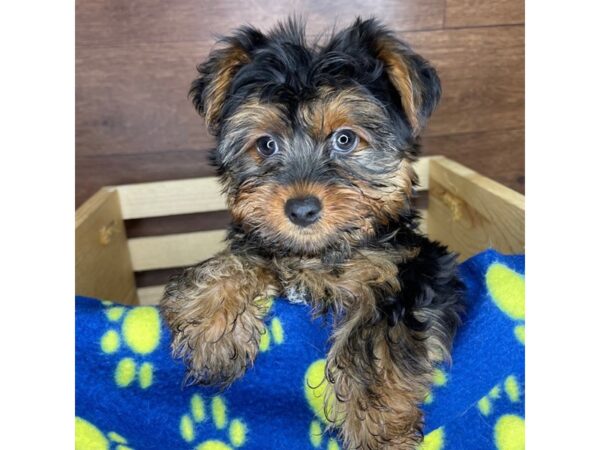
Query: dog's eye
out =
(344, 141)
(267, 146)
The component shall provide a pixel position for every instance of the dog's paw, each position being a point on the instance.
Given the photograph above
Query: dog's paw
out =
(220, 362)
(216, 318)
(219, 348)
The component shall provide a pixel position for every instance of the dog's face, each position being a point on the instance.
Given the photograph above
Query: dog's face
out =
(315, 143)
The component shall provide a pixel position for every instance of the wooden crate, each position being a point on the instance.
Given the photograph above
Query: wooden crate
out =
(465, 210)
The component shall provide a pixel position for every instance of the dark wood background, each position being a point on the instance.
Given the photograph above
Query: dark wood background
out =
(135, 60)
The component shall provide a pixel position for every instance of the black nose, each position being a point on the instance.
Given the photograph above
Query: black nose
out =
(303, 211)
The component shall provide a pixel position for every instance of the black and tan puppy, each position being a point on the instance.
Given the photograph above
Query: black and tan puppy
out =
(314, 148)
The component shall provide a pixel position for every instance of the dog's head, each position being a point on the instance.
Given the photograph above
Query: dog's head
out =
(315, 142)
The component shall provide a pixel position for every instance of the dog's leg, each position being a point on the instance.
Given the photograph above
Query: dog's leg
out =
(374, 400)
(386, 346)
(376, 379)
(215, 311)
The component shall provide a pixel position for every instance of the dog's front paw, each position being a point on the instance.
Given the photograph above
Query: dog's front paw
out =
(216, 355)
(216, 319)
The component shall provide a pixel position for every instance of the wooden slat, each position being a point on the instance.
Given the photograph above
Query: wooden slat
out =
(424, 218)
(422, 169)
(168, 198)
(102, 264)
(470, 213)
(96, 171)
(176, 250)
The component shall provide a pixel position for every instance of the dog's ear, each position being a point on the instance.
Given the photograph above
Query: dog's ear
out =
(210, 90)
(413, 78)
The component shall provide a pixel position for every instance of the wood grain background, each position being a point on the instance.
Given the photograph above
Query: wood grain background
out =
(135, 60)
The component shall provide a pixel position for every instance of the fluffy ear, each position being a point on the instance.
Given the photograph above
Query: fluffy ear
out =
(211, 89)
(414, 79)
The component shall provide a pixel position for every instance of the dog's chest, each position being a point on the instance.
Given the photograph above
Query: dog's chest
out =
(296, 294)
(309, 280)
(298, 280)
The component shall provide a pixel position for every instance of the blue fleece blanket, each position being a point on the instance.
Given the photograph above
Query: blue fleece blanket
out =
(129, 391)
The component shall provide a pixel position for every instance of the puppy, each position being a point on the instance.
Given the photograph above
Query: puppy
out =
(315, 145)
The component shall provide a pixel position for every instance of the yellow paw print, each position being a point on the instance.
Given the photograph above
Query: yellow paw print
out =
(509, 432)
(273, 333)
(512, 390)
(507, 289)
(440, 379)
(315, 385)
(89, 437)
(433, 440)
(140, 333)
(235, 429)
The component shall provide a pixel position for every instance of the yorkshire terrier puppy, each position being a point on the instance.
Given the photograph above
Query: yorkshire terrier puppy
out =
(314, 149)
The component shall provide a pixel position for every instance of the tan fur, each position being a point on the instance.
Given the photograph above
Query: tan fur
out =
(383, 414)
(342, 284)
(263, 207)
(256, 119)
(387, 201)
(403, 80)
(216, 91)
(253, 120)
(340, 206)
(217, 311)
(335, 109)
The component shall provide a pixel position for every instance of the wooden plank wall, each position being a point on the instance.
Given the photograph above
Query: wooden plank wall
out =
(135, 60)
